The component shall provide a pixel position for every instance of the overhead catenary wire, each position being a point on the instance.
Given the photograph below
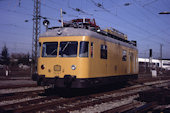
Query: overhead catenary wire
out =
(78, 9)
(16, 26)
(155, 15)
(17, 12)
(142, 30)
(55, 8)
(149, 23)
(99, 5)
(136, 26)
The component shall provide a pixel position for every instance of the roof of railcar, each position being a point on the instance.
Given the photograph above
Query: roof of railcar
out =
(71, 31)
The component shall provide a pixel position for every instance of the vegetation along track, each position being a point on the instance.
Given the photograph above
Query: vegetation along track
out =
(125, 97)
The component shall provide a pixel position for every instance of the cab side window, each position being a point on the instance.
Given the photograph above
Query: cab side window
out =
(91, 52)
(39, 49)
(124, 55)
(84, 49)
(103, 52)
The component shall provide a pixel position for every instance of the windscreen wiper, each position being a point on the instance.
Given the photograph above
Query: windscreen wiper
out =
(65, 46)
(53, 51)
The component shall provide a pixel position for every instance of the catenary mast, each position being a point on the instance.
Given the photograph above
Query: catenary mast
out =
(36, 33)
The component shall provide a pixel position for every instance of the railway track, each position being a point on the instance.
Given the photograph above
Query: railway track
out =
(18, 86)
(142, 80)
(132, 108)
(29, 105)
(20, 95)
(21, 90)
(124, 98)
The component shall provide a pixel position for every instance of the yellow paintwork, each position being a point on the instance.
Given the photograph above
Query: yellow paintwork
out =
(89, 67)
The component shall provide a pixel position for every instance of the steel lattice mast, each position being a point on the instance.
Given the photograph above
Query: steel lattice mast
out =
(36, 33)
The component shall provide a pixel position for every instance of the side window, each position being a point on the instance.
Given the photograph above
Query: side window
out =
(91, 48)
(103, 52)
(84, 49)
(124, 55)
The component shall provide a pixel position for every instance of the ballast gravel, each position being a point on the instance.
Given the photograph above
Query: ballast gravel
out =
(107, 106)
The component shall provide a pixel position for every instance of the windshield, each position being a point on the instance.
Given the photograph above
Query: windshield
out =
(49, 49)
(68, 49)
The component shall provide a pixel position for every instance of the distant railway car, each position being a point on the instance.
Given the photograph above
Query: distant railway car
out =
(84, 56)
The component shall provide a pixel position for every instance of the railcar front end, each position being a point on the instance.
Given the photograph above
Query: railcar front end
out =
(64, 61)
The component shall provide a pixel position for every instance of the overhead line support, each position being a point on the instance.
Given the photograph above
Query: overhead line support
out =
(36, 33)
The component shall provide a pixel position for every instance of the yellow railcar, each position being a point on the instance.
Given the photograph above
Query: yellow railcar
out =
(81, 58)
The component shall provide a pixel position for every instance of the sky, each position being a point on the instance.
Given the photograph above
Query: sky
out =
(138, 19)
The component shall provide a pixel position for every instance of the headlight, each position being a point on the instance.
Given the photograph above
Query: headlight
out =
(73, 67)
(59, 32)
(42, 67)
